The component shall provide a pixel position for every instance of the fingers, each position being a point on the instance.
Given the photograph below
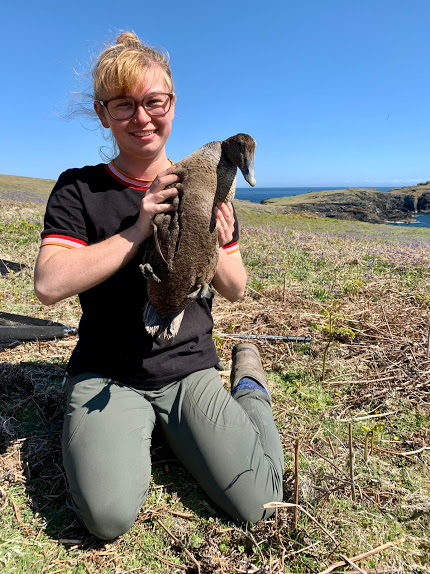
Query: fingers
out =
(157, 192)
(224, 222)
(163, 180)
(225, 214)
(157, 199)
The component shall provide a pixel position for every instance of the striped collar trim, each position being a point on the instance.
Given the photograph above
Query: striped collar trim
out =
(134, 183)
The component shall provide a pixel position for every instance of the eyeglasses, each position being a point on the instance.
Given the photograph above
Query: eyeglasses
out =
(124, 108)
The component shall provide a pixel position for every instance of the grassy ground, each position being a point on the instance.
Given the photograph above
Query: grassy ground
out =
(361, 293)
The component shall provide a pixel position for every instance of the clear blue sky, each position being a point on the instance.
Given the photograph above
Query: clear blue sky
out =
(336, 92)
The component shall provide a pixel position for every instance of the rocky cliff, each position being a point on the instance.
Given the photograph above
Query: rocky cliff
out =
(362, 204)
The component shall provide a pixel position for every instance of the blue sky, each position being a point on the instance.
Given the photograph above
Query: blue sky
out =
(336, 92)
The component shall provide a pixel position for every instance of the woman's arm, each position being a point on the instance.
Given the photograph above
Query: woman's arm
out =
(230, 277)
(61, 272)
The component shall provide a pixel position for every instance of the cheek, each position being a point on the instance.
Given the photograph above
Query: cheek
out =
(166, 128)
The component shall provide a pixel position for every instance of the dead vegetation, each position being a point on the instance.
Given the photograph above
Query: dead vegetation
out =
(352, 406)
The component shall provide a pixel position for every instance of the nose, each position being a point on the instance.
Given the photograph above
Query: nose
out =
(141, 115)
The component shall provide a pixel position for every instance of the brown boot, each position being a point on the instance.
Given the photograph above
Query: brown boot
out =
(246, 362)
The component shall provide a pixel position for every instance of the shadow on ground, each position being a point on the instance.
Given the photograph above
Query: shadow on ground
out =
(32, 406)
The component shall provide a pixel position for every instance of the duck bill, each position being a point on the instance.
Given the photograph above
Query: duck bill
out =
(249, 173)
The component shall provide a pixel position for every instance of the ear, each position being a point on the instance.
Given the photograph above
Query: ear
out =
(101, 112)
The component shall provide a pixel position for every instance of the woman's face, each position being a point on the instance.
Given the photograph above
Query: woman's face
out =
(142, 137)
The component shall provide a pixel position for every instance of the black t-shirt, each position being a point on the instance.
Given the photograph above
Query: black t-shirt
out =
(89, 205)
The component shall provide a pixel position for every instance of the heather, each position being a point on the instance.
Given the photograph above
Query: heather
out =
(351, 404)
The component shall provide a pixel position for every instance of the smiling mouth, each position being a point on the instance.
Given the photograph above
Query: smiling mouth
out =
(144, 133)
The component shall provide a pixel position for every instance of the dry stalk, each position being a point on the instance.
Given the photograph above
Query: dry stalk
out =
(428, 336)
(290, 505)
(351, 463)
(296, 483)
(363, 556)
(3, 498)
(179, 543)
(169, 563)
(366, 417)
(354, 566)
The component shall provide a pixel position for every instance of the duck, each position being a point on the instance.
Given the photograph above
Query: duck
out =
(181, 257)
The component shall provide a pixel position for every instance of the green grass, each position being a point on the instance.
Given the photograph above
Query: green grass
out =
(361, 292)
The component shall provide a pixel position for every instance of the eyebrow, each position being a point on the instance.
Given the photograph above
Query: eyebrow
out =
(146, 95)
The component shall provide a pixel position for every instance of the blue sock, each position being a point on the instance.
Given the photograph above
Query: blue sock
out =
(247, 383)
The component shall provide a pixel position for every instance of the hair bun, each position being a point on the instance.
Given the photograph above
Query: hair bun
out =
(128, 39)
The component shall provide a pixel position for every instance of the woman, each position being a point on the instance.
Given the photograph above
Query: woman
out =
(121, 380)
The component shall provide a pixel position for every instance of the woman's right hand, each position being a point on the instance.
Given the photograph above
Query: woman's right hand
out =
(156, 200)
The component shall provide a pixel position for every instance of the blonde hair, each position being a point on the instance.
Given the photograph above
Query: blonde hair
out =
(121, 67)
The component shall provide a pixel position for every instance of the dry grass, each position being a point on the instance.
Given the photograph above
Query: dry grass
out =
(361, 293)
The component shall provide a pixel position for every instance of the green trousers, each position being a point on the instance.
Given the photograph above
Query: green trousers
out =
(229, 445)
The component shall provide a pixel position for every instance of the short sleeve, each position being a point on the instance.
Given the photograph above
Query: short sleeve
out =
(64, 222)
(233, 246)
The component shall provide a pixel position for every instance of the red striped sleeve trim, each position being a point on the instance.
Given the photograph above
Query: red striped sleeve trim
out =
(231, 248)
(62, 240)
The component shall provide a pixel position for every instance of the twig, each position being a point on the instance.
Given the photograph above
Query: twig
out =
(363, 556)
(290, 505)
(428, 337)
(182, 514)
(3, 498)
(17, 513)
(414, 451)
(138, 570)
(406, 454)
(296, 483)
(365, 417)
(169, 563)
(375, 571)
(251, 536)
(179, 543)
(70, 541)
(359, 382)
(260, 294)
(385, 317)
(326, 459)
(351, 464)
(284, 288)
(354, 566)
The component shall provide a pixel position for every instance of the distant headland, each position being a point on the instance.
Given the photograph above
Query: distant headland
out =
(361, 204)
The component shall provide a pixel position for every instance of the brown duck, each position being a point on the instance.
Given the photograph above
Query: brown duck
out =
(181, 258)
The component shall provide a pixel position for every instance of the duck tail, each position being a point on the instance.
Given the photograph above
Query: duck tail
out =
(156, 326)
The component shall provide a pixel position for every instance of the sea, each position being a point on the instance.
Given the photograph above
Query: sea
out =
(257, 195)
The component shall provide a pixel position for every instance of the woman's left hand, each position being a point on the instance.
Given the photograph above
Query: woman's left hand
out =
(224, 222)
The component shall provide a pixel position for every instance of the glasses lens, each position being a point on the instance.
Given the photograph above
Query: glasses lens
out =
(157, 104)
(122, 108)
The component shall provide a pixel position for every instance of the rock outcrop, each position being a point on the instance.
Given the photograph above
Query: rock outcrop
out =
(362, 204)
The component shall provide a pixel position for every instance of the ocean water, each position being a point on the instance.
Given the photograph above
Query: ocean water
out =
(257, 195)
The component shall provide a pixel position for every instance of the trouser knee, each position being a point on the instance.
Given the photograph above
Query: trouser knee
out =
(108, 522)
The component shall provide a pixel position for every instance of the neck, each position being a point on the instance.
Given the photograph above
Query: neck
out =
(146, 170)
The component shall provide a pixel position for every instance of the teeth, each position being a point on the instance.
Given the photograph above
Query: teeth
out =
(143, 134)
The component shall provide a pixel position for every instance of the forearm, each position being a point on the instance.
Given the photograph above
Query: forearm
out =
(61, 272)
(230, 277)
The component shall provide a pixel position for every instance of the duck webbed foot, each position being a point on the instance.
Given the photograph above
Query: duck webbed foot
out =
(148, 272)
(205, 290)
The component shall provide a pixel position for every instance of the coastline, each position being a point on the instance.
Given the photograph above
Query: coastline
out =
(406, 206)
